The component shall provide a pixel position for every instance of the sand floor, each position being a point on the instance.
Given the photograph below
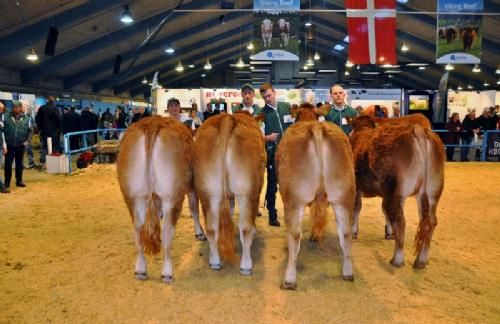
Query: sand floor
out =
(67, 255)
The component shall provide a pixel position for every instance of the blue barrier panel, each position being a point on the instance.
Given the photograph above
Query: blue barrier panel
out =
(483, 146)
(85, 146)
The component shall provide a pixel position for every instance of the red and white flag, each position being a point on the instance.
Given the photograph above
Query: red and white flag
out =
(371, 25)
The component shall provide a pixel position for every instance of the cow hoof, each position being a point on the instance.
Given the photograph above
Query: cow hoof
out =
(141, 276)
(354, 236)
(348, 278)
(215, 267)
(167, 279)
(200, 237)
(246, 272)
(288, 286)
(389, 236)
(419, 265)
(396, 264)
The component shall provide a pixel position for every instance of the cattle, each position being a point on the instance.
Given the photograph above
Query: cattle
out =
(284, 30)
(468, 35)
(450, 35)
(229, 161)
(371, 122)
(441, 33)
(155, 173)
(394, 161)
(315, 168)
(266, 29)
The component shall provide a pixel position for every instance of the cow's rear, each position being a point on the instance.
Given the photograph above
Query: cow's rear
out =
(154, 172)
(229, 161)
(315, 167)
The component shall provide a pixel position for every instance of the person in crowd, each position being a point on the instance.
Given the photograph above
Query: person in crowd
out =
(454, 128)
(89, 121)
(486, 123)
(48, 121)
(248, 95)
(193, 114)
(71, 123)
(359, 110)
(396, 110)
(277, 118)
(121, 119)
(340, 110)
(3, 146)
(208, 113)
(18, 131)
(29, 147)
(470, 127)
(379, 112)
(142, 113)
(107, 117)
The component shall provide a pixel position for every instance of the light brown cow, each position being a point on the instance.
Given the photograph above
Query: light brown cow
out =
(321, 151)
(229, 161)
(371, 122)
(395, 161)
(155, 173)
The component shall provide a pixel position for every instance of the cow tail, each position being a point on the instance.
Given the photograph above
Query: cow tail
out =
(151, 231)
(320, 203)
(422, 237)
(226, 227)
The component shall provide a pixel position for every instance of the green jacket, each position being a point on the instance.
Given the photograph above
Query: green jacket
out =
(335, 116)
(17, 131)
(256, 109)
(274, 120)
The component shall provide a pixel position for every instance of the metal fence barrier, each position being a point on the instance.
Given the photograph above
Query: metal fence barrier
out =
(491, 137)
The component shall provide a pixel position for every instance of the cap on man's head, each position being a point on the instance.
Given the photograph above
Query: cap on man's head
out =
(247, 86)
(17, 103)
(171, 100)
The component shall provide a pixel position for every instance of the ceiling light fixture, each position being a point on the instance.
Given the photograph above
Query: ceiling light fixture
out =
(203, 75)
(346, 73)
(240, 64)
(470, 86)
(349, 64)
(405, 47)
(449, 67)
(459, 88)
(144, 81)
(476, 68)
(421, 67)
(497, 71)
(126, 17)
(316, 56)
(308, 23)
(250, 46)
(310, 62)
(32, 56)
(179, 67)
(169, 49)
(486, 84)
(191, 66)
(207, 65)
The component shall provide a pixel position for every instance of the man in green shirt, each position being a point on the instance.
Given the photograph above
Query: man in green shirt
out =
(248, 95)
(340, 111)
(277, 118)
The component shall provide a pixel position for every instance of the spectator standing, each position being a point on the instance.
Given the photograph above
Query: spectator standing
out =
(277, 118)
(3, 145)
(48, 121)
(18, 132)
(470, 127)
(71, 123)
(248, 95)
(142, 113)
(454, 128)
(89, 121)
(340, 110)
(29, 147)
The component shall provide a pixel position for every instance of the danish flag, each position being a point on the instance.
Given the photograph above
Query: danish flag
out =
(371, 25)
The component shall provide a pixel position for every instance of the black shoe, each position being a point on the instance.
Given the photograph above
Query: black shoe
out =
(4, 189)
(274, 223)
(20, 184)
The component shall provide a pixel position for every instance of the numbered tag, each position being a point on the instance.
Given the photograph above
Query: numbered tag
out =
(344, 121)
(288, 119)
(321, 119)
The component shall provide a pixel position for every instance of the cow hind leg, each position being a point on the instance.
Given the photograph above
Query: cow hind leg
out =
(428, 221)
(212, 231)
(139, 208)
(170, 213)
(195, 213)
(293, 218)
(389, 235)
(358, 203)
(343, 217)
(393, 206)
(248, 209)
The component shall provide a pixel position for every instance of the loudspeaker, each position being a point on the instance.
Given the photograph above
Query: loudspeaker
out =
(118, 62)
(50, 45)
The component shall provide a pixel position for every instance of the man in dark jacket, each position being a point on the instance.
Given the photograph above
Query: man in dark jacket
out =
(71, 123)
(18, 131)
(89, 121)
(143, 113)
(48, 121)
(277, 118)
(470, 127)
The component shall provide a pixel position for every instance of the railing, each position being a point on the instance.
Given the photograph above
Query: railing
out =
(84, 143)
(489, 137)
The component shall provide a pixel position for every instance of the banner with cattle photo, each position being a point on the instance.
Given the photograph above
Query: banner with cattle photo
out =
(459, 35)
(276, 30)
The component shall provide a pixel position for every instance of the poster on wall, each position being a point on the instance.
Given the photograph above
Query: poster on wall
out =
(463, 102)
(314, 96)
(186, 97)
(459, 36)
(220, 99)
(276, 30)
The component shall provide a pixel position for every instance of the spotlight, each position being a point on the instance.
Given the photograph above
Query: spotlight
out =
(405, 47)
(476, 68)
(126, 17)
(32, 56)
(449, 67)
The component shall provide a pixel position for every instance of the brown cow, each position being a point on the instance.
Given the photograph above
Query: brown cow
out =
(229, 161)
(371, 122)
(395, 161)
(155, 173)
(468, 35)
(323, 153)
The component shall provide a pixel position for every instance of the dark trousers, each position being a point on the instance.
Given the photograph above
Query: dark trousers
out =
(17, 153)
(464, 151)
(449, 152)
(272, 182)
